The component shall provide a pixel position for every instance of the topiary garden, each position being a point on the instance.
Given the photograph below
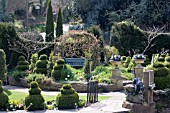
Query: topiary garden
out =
(2, 65)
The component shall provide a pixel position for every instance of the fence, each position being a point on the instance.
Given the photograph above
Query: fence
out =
(92, 92)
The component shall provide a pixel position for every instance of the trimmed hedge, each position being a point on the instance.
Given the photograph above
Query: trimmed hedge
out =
(2, 65)
(67, 98)
(3, 98)
(35, 98)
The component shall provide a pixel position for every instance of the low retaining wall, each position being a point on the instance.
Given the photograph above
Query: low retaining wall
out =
(78, 86)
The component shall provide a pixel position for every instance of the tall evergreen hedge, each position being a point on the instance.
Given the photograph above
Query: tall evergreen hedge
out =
(2, 64)
(49, 23)
(7, 32)
(59, 27)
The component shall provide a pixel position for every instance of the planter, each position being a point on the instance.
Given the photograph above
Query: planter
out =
(116, 63)
(139, 62)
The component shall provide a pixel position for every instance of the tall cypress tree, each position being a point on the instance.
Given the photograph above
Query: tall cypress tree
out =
(49, 23)
(59, 27)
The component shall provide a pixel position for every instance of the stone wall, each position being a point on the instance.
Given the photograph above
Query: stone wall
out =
(78, 86)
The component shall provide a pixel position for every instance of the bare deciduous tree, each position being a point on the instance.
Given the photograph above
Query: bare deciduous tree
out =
(152, 34)
(28, 44)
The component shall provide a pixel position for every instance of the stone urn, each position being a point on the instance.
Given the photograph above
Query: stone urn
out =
(139, 59)
(115, 60)
(115, 63)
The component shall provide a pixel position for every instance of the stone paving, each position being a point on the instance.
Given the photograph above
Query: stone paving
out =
(110, 105)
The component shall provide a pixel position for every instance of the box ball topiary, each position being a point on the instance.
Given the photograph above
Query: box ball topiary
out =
(21, 58)
(35, 100)
(163, 55)
(67, 98)
(123, 58)
(3, 97)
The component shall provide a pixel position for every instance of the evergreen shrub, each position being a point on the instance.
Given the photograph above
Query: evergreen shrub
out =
(22, 64)
(35, 100)
(2, 64)
(67, 98)
(3, 98)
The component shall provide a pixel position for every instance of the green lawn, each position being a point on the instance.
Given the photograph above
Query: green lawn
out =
(16, 95)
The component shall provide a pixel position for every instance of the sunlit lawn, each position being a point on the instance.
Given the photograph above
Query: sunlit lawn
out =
(16, 95)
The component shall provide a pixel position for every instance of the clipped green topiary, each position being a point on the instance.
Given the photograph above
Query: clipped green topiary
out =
(123, 58)
(22, 64)
(3, 98)
(67, 98)
(35, 100)
(34, 58)
(61, 71)
(162, 82)
(2, 65)
(41, 65)
(167, 59)
(158, 64)
(49, 23)
(161, 72)
(161, 59)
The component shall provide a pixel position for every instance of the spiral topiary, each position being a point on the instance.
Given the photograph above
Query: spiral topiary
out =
(61, 71)
(22, 64)
(3, 97)
(41, 65)
(67, 98)
(35, 100)
(2, 64)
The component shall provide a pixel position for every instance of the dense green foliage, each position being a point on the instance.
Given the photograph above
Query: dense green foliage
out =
(19, 74)
(35, 98)
(127, 37)
(34, 58)
(3, 98)
(7, 32)
(22, 64)
(59, 26)
(2, 65)
(41, 65)
(49, 23)
(67, 98)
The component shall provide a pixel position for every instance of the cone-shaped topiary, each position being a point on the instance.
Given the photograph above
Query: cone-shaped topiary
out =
(41, 65)
(3, 97)
(22, 64)
(67, 98)
(35, 100)
(2, 64)
(49, 23)
(59, 26)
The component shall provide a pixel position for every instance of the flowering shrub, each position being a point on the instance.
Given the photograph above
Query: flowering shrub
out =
(139, 56)
(115, 58)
